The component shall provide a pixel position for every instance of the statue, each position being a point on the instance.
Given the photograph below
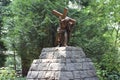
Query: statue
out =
(65, 27)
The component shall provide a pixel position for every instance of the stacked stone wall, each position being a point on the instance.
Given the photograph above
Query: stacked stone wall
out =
(62, 63)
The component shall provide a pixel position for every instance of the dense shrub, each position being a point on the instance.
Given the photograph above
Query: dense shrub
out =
(7, 73)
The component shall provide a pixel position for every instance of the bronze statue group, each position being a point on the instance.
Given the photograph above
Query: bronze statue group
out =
(64, 29)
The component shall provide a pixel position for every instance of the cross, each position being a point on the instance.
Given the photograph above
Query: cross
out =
(58, 14)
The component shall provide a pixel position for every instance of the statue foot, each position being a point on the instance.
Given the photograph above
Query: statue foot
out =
(58, 46)
(65, 45)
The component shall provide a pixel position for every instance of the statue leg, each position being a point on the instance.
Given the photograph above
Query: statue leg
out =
(58, 37)
(59, 40)
(65, 38)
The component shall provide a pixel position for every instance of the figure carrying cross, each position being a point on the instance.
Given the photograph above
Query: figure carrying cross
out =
(64, 29)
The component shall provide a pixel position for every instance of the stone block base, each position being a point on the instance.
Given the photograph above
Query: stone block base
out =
(62, 63)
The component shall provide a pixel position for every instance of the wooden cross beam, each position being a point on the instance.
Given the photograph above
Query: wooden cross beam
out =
(58, 14)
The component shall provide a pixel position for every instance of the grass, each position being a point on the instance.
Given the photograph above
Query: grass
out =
(20, 78)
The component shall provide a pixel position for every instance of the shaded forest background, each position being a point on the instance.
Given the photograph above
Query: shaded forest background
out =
(27, 26)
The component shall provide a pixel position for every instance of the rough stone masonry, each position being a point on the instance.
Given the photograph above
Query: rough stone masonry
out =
(62, 63)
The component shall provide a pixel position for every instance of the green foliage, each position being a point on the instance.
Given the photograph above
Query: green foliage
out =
(33, 19)
(88, 34)
(7, 74)
(96, 33)
(3, 3)
(20, 78)
(10, 62)
(108, 68)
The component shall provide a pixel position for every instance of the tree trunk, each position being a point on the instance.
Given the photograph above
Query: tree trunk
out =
(25, 67)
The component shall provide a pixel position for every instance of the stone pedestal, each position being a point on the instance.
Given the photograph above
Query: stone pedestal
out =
(62, 63)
